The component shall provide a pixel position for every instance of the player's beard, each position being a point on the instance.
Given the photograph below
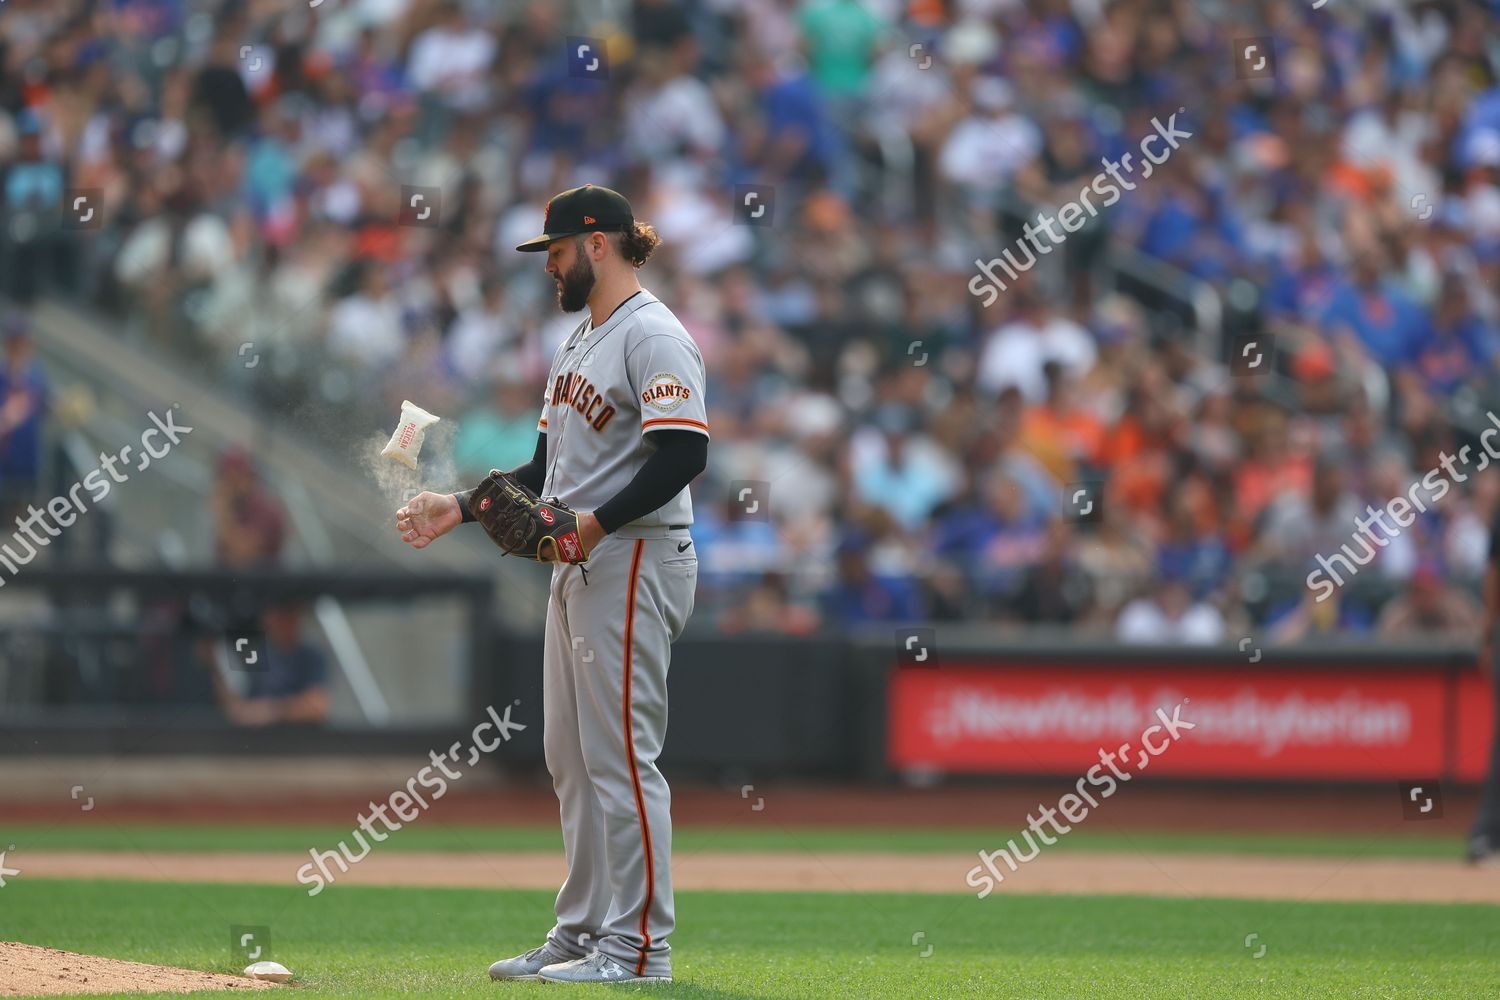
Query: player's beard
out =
(576, 285)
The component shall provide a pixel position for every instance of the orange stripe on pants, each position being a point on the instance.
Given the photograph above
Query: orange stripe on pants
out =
(635, 775)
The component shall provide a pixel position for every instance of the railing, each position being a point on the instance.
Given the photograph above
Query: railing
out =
(117, 644)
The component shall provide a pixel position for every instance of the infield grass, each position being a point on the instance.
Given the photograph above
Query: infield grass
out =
(98, 834)
(377, 942)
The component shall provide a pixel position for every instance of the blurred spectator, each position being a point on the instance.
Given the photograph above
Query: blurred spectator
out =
(861, 596)
(365, 329)
(170, 257)
(800, 143)
(1018, 352)
(1170, 616)
(501, 433)
(1056, 590)
(219, 89)
(288, 685)
(671, 107)
(984, 151)
(1273, 466)
(995, 540)
(1299, 527)
(1118, 560)
(451, 59)
(483, 341)
(23, 408)
(1391, 475)
(1062, 427)
(1458, 348)
(249, 526)
(842, 39)
(1192, 549)
(767, 608)
(33, 213)
(736, 545)
(259, 199)
(660, 22)
(901, 472)
(1430, 606)
(1372, 317)
(1311, 618)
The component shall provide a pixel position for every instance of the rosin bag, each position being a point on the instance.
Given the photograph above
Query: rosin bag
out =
(406, 442)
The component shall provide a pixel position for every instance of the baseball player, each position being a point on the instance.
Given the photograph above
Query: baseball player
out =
(623, 431)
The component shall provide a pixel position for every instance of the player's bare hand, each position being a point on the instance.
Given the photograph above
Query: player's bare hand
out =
(428, 517)
(590, 531)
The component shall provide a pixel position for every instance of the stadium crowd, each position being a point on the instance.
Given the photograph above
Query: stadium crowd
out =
(338, 185)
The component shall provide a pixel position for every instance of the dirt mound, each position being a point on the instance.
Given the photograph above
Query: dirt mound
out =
(26, 970)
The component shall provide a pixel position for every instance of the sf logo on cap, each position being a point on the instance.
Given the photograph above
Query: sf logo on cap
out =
(588, 220)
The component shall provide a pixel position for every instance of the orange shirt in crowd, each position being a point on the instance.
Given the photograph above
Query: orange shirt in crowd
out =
(1257, 483)
(1078, 433)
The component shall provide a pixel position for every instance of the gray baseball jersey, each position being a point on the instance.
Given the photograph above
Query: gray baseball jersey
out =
(606, 390)
(610, 626)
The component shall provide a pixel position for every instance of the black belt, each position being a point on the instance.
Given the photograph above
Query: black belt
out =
(678, 527)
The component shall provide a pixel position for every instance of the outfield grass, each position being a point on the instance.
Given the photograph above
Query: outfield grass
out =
(370, 942)
(101, 835)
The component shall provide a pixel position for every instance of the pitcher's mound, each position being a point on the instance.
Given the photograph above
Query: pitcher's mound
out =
(26, 970)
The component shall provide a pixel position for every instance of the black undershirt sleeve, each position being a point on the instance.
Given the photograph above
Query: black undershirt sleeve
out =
(532, 475)
(679, 457)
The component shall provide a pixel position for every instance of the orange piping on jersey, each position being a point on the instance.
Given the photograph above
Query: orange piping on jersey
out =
(680, 421)
(635, 774)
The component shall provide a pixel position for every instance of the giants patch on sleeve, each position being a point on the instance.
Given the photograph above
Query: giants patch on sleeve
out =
(665, 392)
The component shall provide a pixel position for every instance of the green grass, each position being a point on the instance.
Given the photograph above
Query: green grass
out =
(368, 942)
(104, 836)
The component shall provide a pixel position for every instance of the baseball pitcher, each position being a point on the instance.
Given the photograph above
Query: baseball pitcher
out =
(604, 499)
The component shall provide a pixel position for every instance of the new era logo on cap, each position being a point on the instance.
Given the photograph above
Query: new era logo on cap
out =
(589, 208)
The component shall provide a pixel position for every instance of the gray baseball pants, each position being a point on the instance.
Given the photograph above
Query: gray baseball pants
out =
(610, 626)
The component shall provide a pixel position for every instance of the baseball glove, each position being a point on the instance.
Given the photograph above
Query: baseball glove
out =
(522, 523)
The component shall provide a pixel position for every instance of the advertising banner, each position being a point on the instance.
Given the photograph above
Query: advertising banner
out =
(1314, 723)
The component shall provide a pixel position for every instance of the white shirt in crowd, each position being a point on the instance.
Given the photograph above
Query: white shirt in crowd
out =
(454, 62)
(366, 330)
(1017, 353)
(1144, 622)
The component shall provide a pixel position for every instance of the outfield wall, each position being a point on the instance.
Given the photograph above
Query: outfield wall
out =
(1301, 722)
(956, 701)
(94, 674)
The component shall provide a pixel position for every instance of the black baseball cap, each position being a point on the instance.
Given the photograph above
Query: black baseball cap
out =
(587, 209)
